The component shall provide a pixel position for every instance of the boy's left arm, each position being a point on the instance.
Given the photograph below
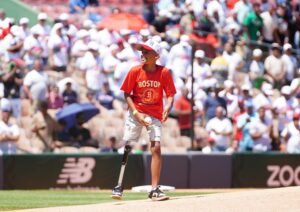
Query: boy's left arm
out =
(168, 107)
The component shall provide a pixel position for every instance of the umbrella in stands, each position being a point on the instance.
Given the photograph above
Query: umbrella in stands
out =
(123, 21)
(68, 113)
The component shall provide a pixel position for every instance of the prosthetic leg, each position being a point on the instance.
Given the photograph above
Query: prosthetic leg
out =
(117, 191)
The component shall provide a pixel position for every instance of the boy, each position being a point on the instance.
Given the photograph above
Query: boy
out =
(143, 90)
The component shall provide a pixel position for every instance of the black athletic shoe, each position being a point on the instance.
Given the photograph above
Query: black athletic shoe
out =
(157, 195)
(117, 193)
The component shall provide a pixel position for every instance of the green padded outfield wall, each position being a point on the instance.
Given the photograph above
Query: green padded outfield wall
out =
(17, 9)
(91, 171)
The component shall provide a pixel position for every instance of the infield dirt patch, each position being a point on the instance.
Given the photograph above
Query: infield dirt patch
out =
(277, 199)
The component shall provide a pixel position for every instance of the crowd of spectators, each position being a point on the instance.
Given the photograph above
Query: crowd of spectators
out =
(246, 81)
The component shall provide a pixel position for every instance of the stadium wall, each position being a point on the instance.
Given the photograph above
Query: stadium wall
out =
(16, 9)
(192, 170)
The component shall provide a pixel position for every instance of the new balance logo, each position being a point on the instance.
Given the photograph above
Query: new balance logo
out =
(77, 171)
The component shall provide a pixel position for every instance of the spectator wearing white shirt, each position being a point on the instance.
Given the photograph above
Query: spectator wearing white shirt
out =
(233, 59)
(286, 104)
(164, 53)
(291, 135)
(13, 44)
(58, 49)
(220, 129)
(290, 62)
(110, 59)
(68, 29)
(45, 28)
(180, 58)
(275, 67)
(32, 46)
(270, 24)
(92, 66)
(201, 68)
(35, 84)
(9, 133)
(259, 130)
(119, 74)
(264, 98)
(80, 46)
(214, 7)
(24, 30)
(242, 8)
(131, 52)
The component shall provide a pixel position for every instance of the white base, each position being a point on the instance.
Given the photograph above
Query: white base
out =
(148, 188)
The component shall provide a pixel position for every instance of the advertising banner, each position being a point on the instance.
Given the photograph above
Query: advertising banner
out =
(265, 170)
(70, 171)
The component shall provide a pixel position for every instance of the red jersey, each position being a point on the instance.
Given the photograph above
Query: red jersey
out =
(184, 121)
(147, 89)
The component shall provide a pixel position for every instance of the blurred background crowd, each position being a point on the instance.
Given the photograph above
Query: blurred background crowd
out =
(241, 58)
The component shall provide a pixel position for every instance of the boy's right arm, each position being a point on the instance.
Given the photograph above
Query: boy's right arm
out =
(139, 116)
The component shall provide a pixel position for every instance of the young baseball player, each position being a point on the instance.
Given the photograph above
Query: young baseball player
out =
(144, 88)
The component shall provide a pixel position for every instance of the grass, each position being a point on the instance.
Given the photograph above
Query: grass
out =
(20, 199)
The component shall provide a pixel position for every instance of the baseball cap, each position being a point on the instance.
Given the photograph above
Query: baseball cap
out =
(64, 17)
(275, 46)
(57, 26)
(287, 46)
(296, 116)
(42, 16)
(267, 89)
(145, 32)
(257, 52)
(23, 20)
(36, 30)
(122, 55)
(82, 33)
(132, 40)
(87, 23)
(210, 140)
(228, 83)
(5, 105)
(246, 87)
(93, 46)
(286, 90)
(184, 39)
(125, 32)
(200, 54)
(150, 45)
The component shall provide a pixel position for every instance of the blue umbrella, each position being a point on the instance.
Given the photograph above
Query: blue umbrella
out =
(68, 113)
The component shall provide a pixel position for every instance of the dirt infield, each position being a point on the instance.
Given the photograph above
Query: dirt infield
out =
(279, 199)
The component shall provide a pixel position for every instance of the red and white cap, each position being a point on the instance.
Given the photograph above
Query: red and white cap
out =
(150, 45)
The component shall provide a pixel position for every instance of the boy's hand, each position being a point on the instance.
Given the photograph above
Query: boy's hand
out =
(141, 118)
(166, 113)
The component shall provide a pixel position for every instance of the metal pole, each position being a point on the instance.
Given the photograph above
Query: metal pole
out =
(192, 96)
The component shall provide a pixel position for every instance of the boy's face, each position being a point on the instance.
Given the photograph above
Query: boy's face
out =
(149, 57)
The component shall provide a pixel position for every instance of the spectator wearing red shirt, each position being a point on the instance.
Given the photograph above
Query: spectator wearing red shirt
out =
(143, 88)
(183, 110)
